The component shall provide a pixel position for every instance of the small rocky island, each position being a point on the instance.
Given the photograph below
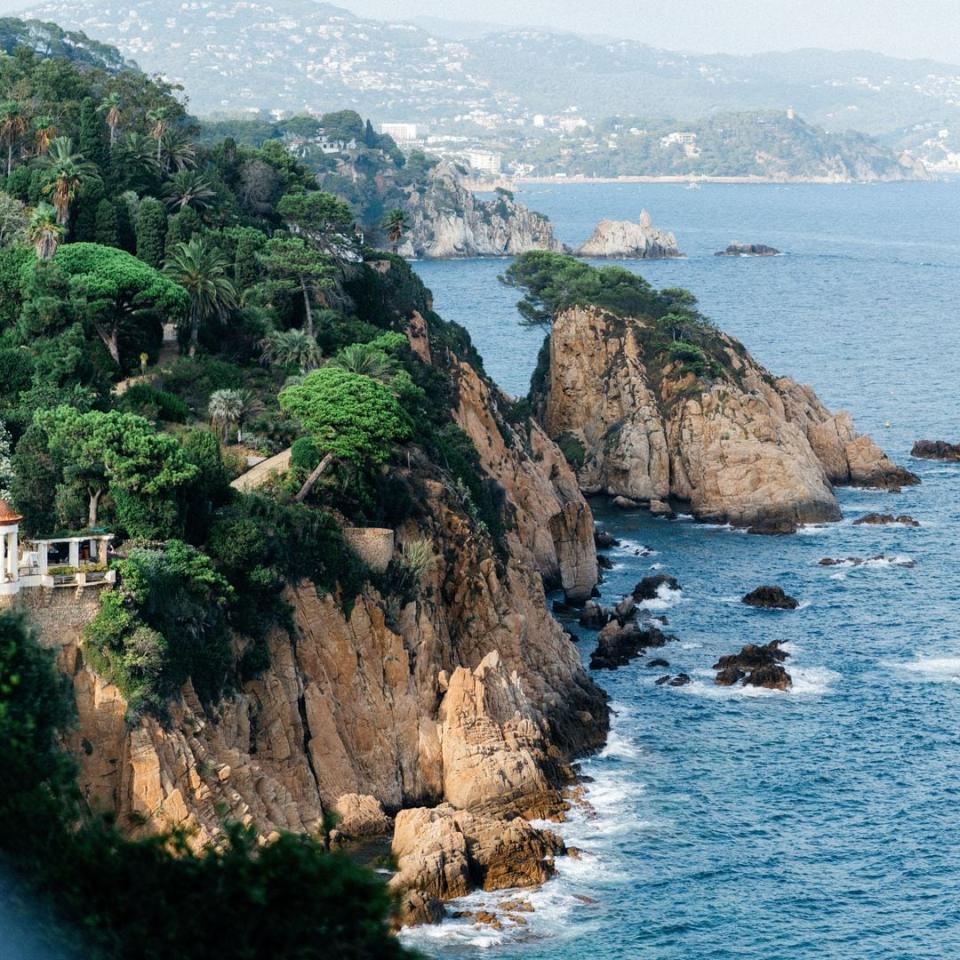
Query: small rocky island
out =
(755, 666)
(737, 249)
(625, 240)
(936, 450)
(650, 401)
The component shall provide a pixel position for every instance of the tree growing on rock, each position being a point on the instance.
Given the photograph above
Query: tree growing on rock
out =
(350, 417)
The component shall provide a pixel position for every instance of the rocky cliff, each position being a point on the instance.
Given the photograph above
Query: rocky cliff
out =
(646, 416)
(623, 239)
(462, 691)
(446, 220)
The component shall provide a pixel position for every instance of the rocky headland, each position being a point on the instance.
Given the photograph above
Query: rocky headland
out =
(446, 712)
(625, 240)
(447, 221)
(649, 401)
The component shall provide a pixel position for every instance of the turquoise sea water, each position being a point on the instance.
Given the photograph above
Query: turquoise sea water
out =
(823, 822)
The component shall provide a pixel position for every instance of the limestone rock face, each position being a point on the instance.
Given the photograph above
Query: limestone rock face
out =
(443, 853)
(623, 239)
(446, 221)
(740, 447)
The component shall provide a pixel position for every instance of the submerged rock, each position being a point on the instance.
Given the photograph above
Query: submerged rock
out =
(649, 587)
(936, 450)
(860, 561)
(885, 518)
(625, 503)
(757, 666)
(772, 598)
(773, 527)
(660, 508)
(622, 239)
(748, 250)
(659, 662)
(680, 680)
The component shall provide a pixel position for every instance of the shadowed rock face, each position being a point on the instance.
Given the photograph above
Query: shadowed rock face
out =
(447, 221)
(935, 450)
(771, 598)
(737, 444)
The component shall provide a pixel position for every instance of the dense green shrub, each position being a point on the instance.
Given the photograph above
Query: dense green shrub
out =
(154, 404)
(165, 622)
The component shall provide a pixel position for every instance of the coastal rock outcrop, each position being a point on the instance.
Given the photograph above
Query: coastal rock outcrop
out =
(703, 423)
(884, 519)
(447, 221)
(936, 450)
(625, 240)
(770, 598)
(618, 644)
(756, 666)
(736, 249)
(443, 853)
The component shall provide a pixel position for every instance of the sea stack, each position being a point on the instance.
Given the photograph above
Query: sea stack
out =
(625, 240)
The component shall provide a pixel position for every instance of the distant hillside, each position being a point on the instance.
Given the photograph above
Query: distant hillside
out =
(775, 145)
(296, 54)
(49, 40)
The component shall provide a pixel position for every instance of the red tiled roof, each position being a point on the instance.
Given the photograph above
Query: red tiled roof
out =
(8, 514)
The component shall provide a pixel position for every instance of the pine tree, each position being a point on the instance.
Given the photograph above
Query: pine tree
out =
(106, 230)
(151, 232)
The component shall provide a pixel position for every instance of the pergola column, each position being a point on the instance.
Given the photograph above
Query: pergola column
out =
(3, 555)
(74, 560)
(14, 555)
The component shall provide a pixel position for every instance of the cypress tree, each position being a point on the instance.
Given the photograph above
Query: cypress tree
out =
(106, 231)
(93, 140)
(183, 226)
(151, 231)
(246, 269)
(88, 200)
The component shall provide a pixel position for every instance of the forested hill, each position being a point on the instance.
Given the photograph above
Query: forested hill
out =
(49, 40)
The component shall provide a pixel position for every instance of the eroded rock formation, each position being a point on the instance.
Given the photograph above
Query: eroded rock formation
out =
(625, 240)
(447, 221)
(716, 430)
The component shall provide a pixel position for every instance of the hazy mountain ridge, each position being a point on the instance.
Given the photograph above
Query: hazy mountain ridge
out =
(294, 53)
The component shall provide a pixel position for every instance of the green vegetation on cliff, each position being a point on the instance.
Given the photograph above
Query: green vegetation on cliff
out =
(170, 312)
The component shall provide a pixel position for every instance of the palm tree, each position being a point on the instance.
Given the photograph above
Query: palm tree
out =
(177, 152)
(13, 125)
(158, 119)
(224, 408)
(66, 173)
(201, 269)
(44, 232)
(44, 130)
(291, 348)
(395, 223)
(137, 160)
(189, 189)
(112, 107)
(227, 408)
(366, 360)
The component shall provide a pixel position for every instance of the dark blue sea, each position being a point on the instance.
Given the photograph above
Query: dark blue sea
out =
(823, 822)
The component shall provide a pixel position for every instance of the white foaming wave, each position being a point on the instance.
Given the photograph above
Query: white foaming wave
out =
(664, 600)
(629, 546)
(619, 747)
(940, 669)
(807, 681)
(690, 645)
(656, 566)
(813, 529)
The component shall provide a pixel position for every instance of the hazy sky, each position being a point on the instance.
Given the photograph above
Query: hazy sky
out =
(903, 28)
